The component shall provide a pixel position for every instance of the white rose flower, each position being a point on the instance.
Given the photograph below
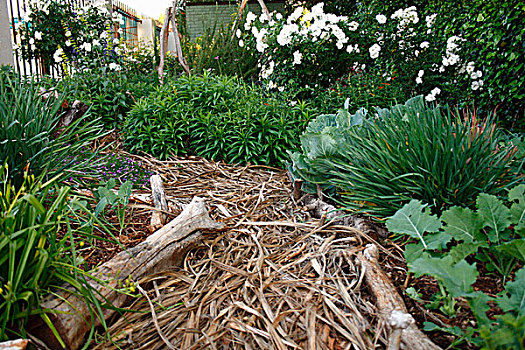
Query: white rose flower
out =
(57, 56)
(297, 56)
(430, 98)
(374, 51)
(353, 26)
(424, 45)
(420, 73)
(475, 85)
(38, 35)
(381, 19)
(419, 80)
(241, 43)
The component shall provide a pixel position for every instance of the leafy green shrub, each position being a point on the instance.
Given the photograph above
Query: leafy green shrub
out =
(494, 234)
(378, 161)
(110, 94)
(35, 254)
(215, 117)
(29, 138)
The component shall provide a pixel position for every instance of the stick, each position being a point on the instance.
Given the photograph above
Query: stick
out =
(239, 17)
(164, 43)
(178, 46)
(389, 302)
(159, 201)
(264, 8)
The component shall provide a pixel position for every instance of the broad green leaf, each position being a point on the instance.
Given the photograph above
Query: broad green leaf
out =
(462, 250)
(494, 215)
(457, 278)
(516, 248)
(35, 203)
(478, 304)
(515, 298)
(517, 209)
(318, 145)
(413, 252)
(437, 240)
(462, 223)
(414, 220)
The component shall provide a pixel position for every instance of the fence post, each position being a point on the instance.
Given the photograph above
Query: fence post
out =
(6, 49)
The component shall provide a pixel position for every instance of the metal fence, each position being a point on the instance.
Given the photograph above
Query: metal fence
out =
(127, 30)
(128, 24)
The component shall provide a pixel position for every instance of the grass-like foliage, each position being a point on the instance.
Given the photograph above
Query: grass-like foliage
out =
(29, 134)
(377, 161)
(38, 228)
(218, 118)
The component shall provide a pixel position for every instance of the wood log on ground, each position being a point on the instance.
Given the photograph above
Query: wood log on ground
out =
(389, 302)
(18, 344)
(164, 249)
(158, 218)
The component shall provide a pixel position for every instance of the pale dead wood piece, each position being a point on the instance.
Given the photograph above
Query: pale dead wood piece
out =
(18, 344)
(264, 8)
(388, 301)
(164, 249)
(398, 322)
(178, 45)
(164, 43)
(158, 218)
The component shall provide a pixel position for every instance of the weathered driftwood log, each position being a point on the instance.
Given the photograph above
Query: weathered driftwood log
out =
(389, 303)
(19, 344)
(164, 249)
(158, 218)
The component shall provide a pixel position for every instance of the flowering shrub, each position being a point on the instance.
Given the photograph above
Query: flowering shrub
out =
(57, 32)
(314, 48)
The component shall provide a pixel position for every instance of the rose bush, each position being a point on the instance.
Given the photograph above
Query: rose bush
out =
(311, 48)
(57, 32)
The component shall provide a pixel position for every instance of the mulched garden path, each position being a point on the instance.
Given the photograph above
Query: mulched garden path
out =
(274, 279)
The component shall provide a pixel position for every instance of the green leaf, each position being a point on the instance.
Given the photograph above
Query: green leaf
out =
(517, 209)
(413, 252)
(514, 301)
(515, 248)
(494, 215)
(414, 220)
(457, 278)
(461, 251)
(462, 223)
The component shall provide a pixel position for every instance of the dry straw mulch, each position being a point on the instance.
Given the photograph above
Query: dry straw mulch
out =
(274, 279)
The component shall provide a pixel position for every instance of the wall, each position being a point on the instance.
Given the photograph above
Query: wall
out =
(200, 17)
(6, 50)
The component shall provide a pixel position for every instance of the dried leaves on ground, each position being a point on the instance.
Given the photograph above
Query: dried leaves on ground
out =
(273, 279)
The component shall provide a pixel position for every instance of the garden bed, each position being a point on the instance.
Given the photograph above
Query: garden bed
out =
(274, 277)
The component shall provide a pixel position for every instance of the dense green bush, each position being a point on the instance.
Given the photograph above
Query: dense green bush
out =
(29, 136)
(215, 117)
(381, 159)
(110, 94)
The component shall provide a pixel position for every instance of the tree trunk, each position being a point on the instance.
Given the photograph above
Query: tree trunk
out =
(164, 249)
